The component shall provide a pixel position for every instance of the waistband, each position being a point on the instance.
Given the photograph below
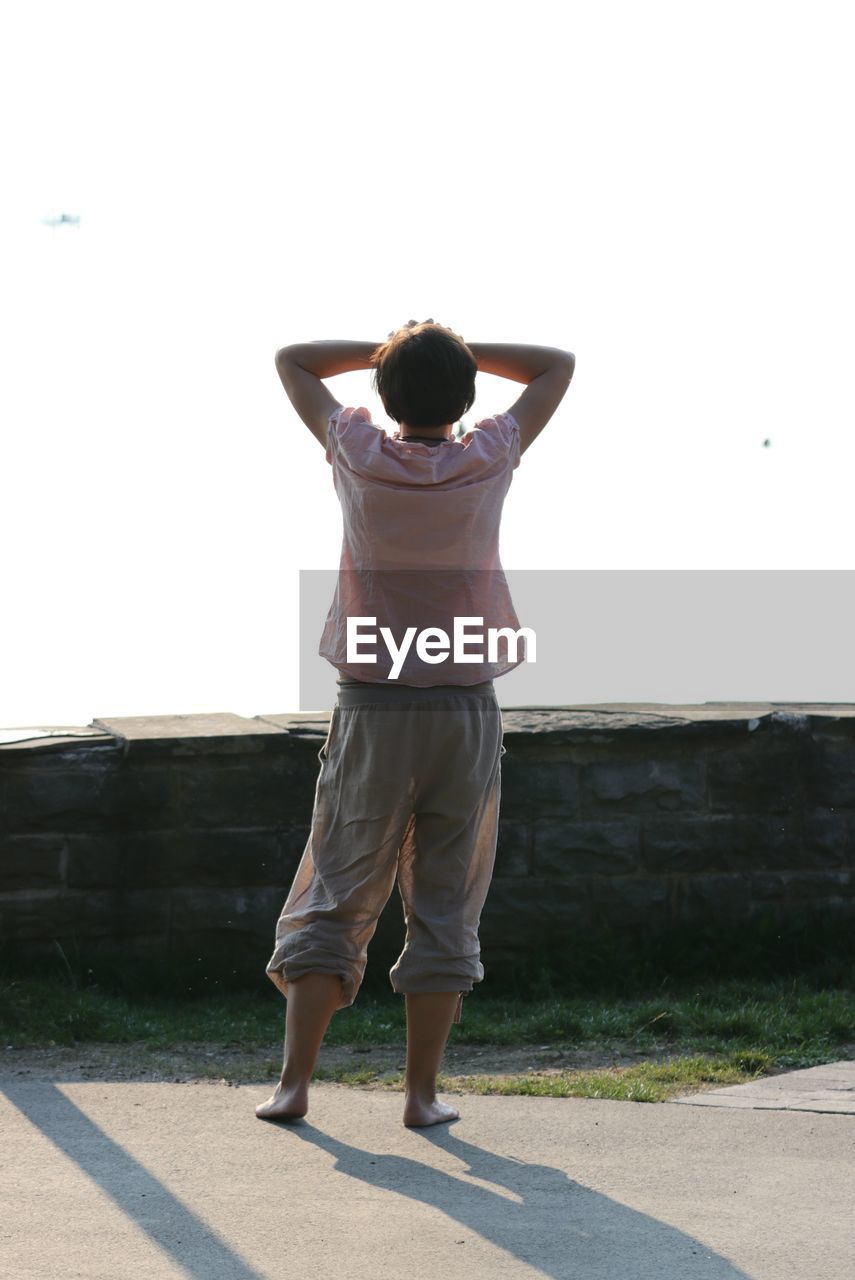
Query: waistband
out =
(354, 695)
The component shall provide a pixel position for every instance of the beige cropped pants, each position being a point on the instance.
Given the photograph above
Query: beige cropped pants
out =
(408, 793)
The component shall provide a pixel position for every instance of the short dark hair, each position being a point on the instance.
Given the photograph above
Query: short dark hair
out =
(425, 376)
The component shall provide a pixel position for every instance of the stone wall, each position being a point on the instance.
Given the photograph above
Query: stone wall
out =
(178, 836)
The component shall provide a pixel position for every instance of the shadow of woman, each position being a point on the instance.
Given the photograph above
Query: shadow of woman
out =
(534, 1213)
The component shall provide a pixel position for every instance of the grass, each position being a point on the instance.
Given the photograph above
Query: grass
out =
(644, 1082)
(788, 1018)
(724, 1031)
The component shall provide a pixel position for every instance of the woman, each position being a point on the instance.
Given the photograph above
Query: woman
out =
(410, 780)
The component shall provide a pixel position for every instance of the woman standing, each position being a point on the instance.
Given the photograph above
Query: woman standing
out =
(410, 780)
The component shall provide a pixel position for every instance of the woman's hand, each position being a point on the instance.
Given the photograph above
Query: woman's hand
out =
(430, 320)
(409, 325)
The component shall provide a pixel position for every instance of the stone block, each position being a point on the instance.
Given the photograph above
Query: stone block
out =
(112, 913)
(117, 913)
(632, 900)
(292, 841)
(800, 888)
(708, 897)
(258, 792)
(149, 796)
(170, 858)
(618, 784)
(32, 914)
(97, 861)
(521, 911)
(828, 838)
(539, 782)
(763, 774)
(512, 849)
(575, 847)
(217, 733)
(829, 772)
(43, 798)
(514, 779)
(247, 911)
(31, 862)
(720, 842)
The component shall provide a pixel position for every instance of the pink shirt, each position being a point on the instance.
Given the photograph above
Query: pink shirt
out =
(420, 547)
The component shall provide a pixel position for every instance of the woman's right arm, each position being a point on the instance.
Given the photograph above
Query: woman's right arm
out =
(518, 361)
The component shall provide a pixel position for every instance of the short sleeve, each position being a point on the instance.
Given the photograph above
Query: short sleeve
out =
(340, 431)
(504, 428)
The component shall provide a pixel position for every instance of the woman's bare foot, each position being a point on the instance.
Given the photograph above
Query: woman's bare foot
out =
(285, 1104)
(418, 1113)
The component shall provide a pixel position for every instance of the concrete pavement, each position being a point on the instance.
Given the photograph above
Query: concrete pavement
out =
(113, 1181)
(828, 1089)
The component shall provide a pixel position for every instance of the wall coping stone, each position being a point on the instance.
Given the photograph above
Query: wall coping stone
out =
(224, 732)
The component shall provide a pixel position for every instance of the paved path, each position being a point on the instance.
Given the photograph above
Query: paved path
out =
(829, 1088)
(106, 1181)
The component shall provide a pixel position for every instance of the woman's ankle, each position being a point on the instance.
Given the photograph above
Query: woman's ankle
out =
(420, 1092)
(288, 1083)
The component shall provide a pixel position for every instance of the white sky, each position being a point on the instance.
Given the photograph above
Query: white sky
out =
(664, 189)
